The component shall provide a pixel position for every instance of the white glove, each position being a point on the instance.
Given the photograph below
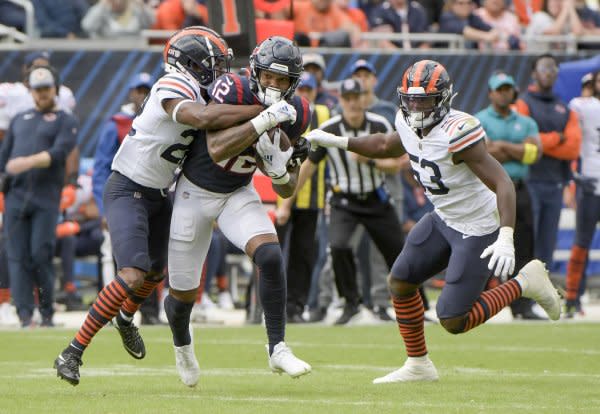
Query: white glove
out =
(503, 254)
(320, 138)
(274, 159)
(274, 115)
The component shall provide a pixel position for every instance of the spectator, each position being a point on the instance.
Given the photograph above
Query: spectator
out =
(433, 9)
(12, 15)
(296, 217)
(33, 156)
(560, 134)
(400, 16)
(60, 18)
(175, 14)
(325, 17)
(315, 64)
(513, 139)
(557, 17)
(587, 85)
(460, 19)
(116, 18)
(524, 9)
(357, 15)
(272, 9)
(495, 13)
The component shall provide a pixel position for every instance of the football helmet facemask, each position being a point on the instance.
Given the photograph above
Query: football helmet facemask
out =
(278, 55)
(425, 94)
(199, 52)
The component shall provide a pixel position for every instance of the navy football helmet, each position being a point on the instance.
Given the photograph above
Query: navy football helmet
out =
(198, 52)
(278, 55)
(425, 94)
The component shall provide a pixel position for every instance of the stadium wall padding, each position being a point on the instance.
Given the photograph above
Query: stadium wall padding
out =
(99, 78)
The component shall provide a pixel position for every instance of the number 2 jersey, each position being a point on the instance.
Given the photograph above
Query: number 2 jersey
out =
(233, 173)
(156, 145)
(460, 198)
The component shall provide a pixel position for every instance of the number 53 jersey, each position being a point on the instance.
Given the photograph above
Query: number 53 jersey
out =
(156, 145)
(460, 198)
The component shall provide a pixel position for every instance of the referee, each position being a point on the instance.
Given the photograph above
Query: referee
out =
(359, 196)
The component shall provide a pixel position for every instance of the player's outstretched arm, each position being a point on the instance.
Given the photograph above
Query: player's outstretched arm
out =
(229, 142)
(209, 117)
(377, 145)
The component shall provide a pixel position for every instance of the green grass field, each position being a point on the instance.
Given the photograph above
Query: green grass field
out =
(501, 368)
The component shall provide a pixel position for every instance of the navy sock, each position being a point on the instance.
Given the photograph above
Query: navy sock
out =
(272, 290)
(178, 314)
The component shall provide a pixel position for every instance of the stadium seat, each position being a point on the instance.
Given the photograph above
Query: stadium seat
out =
(266, 28)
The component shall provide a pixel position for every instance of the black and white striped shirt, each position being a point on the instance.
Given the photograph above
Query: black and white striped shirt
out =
(347, 175)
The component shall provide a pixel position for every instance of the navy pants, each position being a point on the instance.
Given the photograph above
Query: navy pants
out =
(29, 232)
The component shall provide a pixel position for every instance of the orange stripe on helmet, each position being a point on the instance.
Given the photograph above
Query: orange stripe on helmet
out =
(417, 70)
(405, 81)
(437, 72)
(212, 36)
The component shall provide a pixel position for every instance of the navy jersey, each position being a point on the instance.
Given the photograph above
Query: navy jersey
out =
(233, 173)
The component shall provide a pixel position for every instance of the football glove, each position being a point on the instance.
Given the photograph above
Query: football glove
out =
(502, 251)
(320, 138)
(274, 159)
(274, 115)
(301, 150)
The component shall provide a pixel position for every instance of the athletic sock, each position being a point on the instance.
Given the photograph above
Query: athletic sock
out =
(133, 302)
(491, 302)
(410, 316)
(178, 314)
(575, 269)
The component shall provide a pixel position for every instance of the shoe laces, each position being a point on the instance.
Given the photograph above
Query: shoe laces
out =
(72, 361)
(131, 334)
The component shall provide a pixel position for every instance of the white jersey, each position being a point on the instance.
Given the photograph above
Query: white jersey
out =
(588, 111)
(15, 98)
(460, 198)
(156, 145)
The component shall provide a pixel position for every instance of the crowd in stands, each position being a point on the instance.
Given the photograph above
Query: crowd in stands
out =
(485, 24)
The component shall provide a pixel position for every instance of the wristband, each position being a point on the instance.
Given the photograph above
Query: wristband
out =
(174, 113)
(506, 233)
(261, 122)
(530, 152)
(282, 179)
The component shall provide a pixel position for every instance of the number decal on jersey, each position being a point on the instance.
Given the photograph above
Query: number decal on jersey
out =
(231, 24)
(436, 178)
(241, 164)
(221, 88)
(176, 153)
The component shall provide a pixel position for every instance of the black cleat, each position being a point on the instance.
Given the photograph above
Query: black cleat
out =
(132, 340)
(347, 314)
(67, 367)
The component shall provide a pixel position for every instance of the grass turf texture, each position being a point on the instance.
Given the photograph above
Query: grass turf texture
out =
(527, 368)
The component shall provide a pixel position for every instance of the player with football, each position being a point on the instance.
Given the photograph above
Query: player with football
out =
(136, 206)
(474, 218)
(216, 185)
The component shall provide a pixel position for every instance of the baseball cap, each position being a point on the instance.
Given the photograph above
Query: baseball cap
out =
(307, 80)
(588, 77)
(41, 78)
(349, 86)
(33, 56)
(363, 64)
(499, 79)
(313, 59)
(141, 79)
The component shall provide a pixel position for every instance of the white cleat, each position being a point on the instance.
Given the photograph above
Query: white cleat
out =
(536, 285)
(8, 317)
(225, 301)
(187, 364)
(283, 360)
(414, 369)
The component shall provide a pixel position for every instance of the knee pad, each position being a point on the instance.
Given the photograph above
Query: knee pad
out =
(155, 276)
(454, 326)
(269, 259)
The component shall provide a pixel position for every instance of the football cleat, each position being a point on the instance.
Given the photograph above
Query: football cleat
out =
(131, 338)
(414, 369)
(283, 360)
(536, 285)
(187, 364)
(67, 367)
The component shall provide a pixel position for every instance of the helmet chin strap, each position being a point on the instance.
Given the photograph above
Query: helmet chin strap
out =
(269, 96)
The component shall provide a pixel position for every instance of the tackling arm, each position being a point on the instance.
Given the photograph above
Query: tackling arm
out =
(379, 145)
(209, 117)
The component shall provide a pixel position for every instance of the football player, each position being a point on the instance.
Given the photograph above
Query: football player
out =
(216, 185)
(136, 206)
(474, 218)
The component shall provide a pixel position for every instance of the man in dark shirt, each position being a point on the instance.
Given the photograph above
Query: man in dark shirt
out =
(400, 16)
(32, 158)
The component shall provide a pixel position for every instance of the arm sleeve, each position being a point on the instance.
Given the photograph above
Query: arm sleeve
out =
(175, 85)
(6, 148)
(108, 144)
(65, 140)
(569, 149)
